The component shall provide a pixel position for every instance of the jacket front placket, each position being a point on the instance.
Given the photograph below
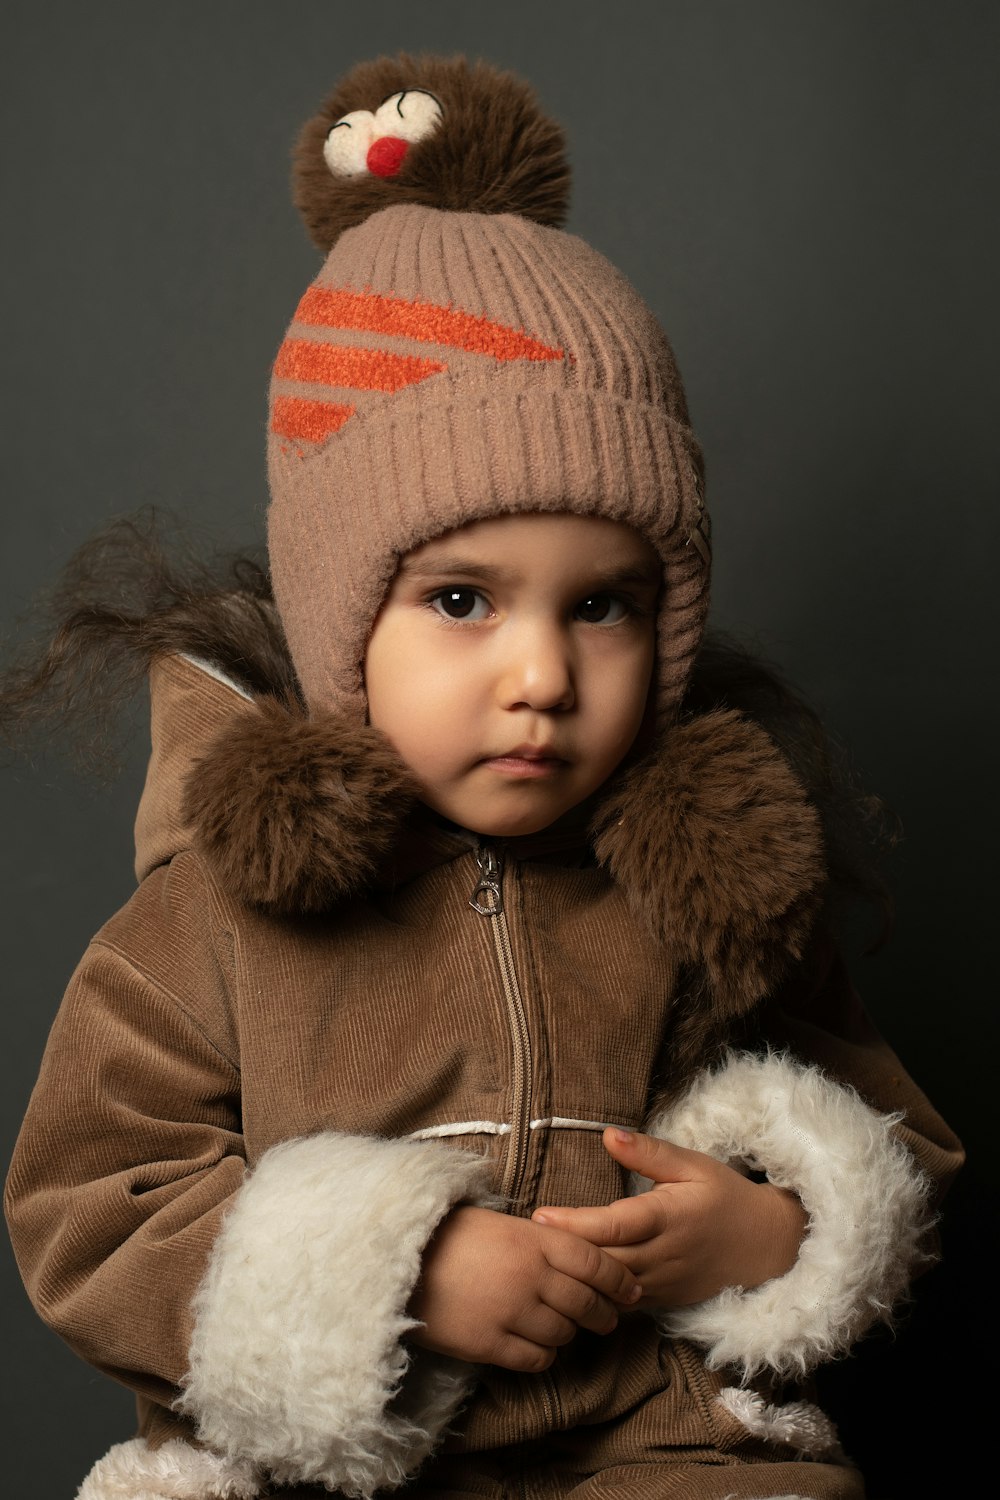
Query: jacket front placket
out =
(488, 900)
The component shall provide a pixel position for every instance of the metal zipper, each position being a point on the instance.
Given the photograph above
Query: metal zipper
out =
(487, 900)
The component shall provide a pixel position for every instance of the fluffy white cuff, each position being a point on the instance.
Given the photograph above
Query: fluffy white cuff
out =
(864, 1195)
(177, 1471)
(296, 1359)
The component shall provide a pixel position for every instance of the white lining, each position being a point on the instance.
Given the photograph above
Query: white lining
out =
(217, 673)
(502, 1127)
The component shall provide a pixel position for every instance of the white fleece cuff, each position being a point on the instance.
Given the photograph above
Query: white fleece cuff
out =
(176, 1471)
(297, 1362)
(863, 1193)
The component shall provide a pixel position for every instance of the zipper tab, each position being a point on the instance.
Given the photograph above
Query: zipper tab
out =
(487, 898)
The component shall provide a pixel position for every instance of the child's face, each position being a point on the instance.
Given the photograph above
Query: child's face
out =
(511, 662)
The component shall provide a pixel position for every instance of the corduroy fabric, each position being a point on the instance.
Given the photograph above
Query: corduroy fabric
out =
(196, 1034)
(587, 414)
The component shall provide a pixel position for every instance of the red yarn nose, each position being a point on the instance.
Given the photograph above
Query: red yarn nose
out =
(385, 156)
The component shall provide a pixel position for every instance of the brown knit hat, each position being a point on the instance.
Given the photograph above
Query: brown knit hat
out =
(458, 359)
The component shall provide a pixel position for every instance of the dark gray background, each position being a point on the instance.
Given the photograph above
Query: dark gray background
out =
(806, 194)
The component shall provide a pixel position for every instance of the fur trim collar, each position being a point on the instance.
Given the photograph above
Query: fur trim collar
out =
(718, 849)
(711, 837)
(293, 813)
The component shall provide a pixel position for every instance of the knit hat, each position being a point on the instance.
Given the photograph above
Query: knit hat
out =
(459, 357)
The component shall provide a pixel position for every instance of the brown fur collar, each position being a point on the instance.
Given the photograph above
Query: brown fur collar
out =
(292, 813)
(711, 838)
(718, 850)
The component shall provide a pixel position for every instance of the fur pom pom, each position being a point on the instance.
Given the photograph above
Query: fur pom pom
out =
(490, 150)
(292, 813)
(720, 853)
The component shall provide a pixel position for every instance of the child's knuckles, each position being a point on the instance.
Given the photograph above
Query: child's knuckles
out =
(552, 1328)
(567, 1252)
(665, 1162)
(599, 1316)
(562, 1238)
(588, 1302)
(616, 1231)
(591, 1264)
(624, 1281)
(528, 1358)
(660, 1215)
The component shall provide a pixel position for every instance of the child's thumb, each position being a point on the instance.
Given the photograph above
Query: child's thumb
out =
(660, 1160)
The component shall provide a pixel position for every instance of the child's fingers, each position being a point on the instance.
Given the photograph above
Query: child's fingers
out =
(516, 1353)
(575, 1256)
(620, 1223)
(544, 1324)
(574, 1299)
(650, 1157)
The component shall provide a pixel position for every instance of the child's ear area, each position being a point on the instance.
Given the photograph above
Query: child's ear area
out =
(376, 620)
(364, 672)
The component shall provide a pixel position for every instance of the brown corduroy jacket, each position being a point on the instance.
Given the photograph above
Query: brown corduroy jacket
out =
(380, 1018)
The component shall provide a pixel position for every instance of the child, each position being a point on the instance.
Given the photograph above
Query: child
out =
(476, 924)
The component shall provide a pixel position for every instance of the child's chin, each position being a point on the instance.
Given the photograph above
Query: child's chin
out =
(500, 823)
(511, 824)
(516, 829)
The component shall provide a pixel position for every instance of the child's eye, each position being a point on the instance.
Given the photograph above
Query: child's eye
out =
(601, 609)
(460, 604)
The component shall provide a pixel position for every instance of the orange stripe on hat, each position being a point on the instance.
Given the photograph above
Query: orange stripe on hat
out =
(419, 320)
(358, 369)
(294, 417)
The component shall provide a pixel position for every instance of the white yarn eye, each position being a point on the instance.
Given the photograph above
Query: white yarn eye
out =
(345, 149)
(409, 115)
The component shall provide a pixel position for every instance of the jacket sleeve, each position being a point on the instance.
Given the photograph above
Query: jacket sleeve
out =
(268, 1305)
(824, 1108)
(131, 1148)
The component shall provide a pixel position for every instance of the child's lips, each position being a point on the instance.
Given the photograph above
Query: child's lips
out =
(527, 761)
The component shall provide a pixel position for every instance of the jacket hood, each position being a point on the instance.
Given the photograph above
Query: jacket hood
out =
(711, 838)
(191, 704)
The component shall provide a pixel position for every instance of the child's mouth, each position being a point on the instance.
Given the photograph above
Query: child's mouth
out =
(527, 761)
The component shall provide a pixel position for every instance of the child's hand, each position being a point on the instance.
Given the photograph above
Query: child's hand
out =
(702, 1227)
(503, 1291)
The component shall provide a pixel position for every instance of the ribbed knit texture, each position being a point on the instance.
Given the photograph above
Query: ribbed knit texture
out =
(486, 366)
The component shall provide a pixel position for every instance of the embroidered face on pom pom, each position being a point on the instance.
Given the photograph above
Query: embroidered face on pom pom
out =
(435, 131)
(377, 143)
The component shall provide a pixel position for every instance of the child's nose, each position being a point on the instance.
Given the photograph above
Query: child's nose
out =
(538, 670)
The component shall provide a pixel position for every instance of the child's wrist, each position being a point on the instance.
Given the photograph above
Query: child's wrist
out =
(786, 1222)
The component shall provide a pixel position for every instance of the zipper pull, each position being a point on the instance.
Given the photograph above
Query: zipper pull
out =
(487, 898)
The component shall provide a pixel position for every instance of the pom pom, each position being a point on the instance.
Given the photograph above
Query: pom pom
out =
(293, 813)
(436, 131)
(730, 870)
